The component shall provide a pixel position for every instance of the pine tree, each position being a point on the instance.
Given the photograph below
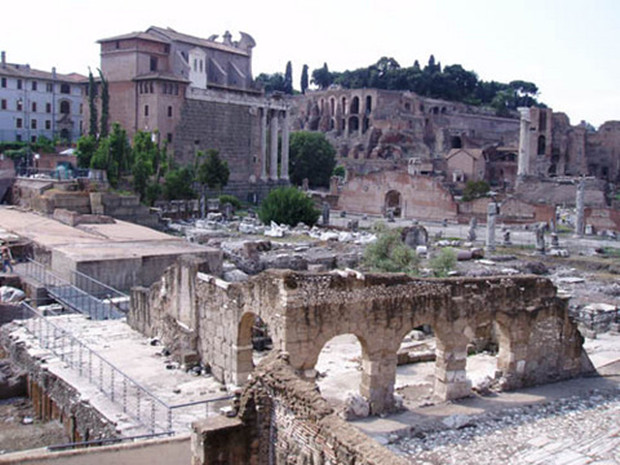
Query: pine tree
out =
(105, 105)
(92, 106)
(288, 79)
(304, 79)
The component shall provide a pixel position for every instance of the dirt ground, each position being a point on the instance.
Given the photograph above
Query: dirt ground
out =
(21, 430)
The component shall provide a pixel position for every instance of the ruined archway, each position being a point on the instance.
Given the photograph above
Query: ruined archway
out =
(253, 341)
(339, 369)
(393, 202)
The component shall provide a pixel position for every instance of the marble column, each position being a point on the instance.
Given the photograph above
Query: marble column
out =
(523, 166)
(263, 144)
(285, 142)
(491, 216)
(273, 162)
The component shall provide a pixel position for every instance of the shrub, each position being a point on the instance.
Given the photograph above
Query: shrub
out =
(390, 254)
(287, 205)
(443, 262)
(231, 199)
(475, 189)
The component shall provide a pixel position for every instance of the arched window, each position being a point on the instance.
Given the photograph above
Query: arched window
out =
(368, 104)
(456, 142)
(65, 107)
(355, 105)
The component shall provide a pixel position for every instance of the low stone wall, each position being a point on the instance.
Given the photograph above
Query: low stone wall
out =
(168, 451)
(281, 417)
(55, 399)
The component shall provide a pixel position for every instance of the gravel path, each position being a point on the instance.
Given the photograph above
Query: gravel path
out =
(572, 431)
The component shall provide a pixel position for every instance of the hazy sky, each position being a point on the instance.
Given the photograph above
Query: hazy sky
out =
(569, 48)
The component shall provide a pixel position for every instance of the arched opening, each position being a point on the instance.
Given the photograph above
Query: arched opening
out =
(393, 203)
(253, 343)
(368, 104)
(542, 145)
(365, 124)
(542, 121)
(354, 124)
(344, 105)
(321, 105)
(355, 105)
(65, 107)
(332, 106)
(331, 124)
(415, 371)
(64, 135)
(456, 142)
(482, 352)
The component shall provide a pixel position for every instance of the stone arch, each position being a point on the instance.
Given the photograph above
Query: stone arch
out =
(344, 105)
(368, 104)
(355, 105)
(243, 351)
(332, 106)
(354, 124)
(393, 201)
(65, 107)
(456, 142)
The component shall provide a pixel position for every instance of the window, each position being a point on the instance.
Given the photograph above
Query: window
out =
(34, 85)
(195, 64)
(151, 88)
(4, 104)
(19, 123)
(146, 110)
(33, 139)
(34, 107)
(33, 124)
(118, 44)
(153, 63)
(18, 137)
(65, 107)
(48, 124)
(3, 82)
(170, 111)
(48, 107)
(169, 137)
(19, 83)
(65, 88)
(49, 87)
(81, 108)
(20, 105)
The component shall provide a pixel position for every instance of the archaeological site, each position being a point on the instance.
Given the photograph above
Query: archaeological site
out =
(452, 296)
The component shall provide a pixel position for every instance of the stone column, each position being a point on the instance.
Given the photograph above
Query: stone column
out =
(378, 378)
(523, 166)
(242, 365)
(580, 223)
(263, 144)
(491, 216)
(273, 162)
(285, 132)
(450, 369)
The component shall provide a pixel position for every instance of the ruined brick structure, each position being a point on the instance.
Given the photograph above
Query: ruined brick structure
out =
(199, 94)
(195, 312)
(394, 125)
(282, 417)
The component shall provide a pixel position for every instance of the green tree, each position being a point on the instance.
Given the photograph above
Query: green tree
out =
(288, 205)
(120, 150)
(390, 254)
(92, 106)
(339, 171)
(312, 157)
(213, 172)
(178, 184)
(322, 78)
(304, 79)
(272, 82)
(86, 146)
(105, 106)
(288, 79)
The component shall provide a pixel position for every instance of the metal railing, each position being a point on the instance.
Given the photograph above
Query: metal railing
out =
(82, 294)
(135, 400)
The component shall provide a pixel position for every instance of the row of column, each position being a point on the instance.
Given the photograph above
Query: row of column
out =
(274, 119)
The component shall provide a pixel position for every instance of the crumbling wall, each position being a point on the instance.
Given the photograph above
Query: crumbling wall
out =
(283, 416)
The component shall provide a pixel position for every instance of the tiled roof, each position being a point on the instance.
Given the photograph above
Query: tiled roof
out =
(173, 35)
(26, 72)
